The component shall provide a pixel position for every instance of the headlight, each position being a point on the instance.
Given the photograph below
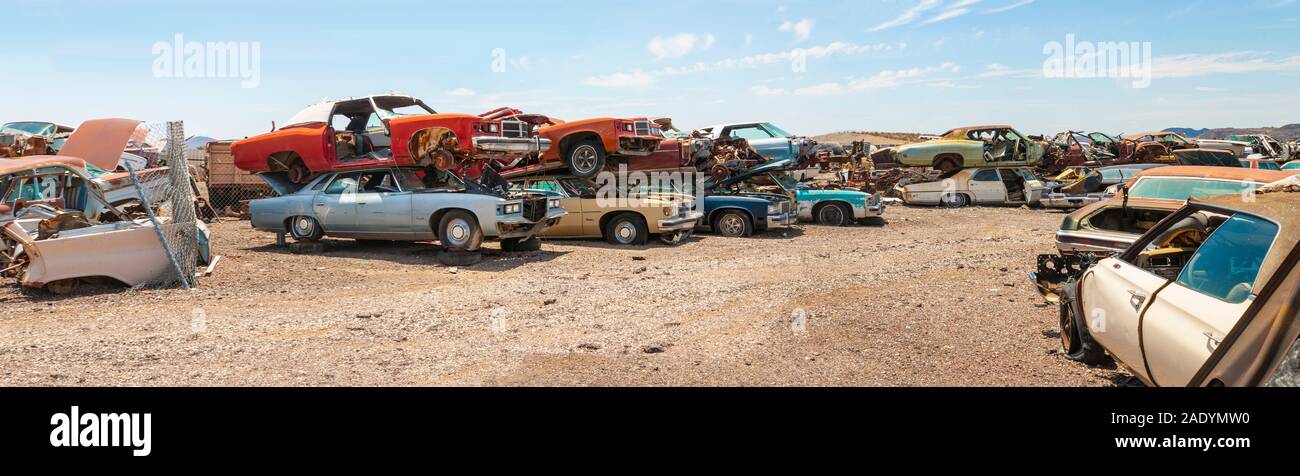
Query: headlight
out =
(553, 203)
(773, 208)
(511, 208)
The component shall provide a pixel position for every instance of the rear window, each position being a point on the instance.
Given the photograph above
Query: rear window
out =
(1180, 188)
(1227, 264)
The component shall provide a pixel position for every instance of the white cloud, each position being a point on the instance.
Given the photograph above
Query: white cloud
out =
(634, 80)
(906, 17)
(1207, 89)
(461, 92)
(678, 45)
(824, 89)
(764, 91)
(1012, 6)
(802, 29)
(1232, 62)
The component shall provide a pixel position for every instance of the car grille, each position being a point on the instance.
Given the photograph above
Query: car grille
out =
(645, 128)
(535, 208)
(516, 128)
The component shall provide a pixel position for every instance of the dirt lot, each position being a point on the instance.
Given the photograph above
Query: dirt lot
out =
(934, 297)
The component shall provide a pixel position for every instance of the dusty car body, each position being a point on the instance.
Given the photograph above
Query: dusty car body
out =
(1073, 149)
(1164, 306)
(982, 186)
(1262, 164)
(1238, 148)
(1263, 147)
(619, 217)
(976, 146)
(768, 140)
(1156, 146)
(1184, 182)
(821, 206)
(1092, 187)
(404, 204)
(18, 139)
(384, 130)
(59, 223)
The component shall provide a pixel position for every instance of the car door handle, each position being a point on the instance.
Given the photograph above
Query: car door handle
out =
(1214, 340)
(1136, 300)
(320, 204)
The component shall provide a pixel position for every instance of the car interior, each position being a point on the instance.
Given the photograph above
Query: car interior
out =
(1214, 254)
(1015, 185)
(359, 129)
(999, 144)
(1130, 220)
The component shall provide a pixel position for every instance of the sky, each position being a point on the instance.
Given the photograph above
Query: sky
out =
(811, 67)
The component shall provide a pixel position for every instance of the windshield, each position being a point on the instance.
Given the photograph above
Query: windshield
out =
(1182, 188)
(777, 131)
(33, 128)
(412, 110)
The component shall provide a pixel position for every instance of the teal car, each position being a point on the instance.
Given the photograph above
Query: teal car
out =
(1292, 165)
(824, 207)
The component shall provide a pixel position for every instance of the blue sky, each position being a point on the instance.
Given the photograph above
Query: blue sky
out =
(887, 65)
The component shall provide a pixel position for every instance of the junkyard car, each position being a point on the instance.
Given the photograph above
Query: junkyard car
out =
(1263, 146)
(583, 147)
(407, 204)
(19, 139)
(384, 130)
(983, 186)
(824, 207)
(1238, 148)
(1164, 306)
(1072, 149)
(1156, 146)
(1263, 164)
(977, 146)
(1092, 187)
(620, 217)
(770, 141)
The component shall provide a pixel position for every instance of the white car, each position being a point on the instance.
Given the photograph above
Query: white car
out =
(1163, 307)
(983, 186)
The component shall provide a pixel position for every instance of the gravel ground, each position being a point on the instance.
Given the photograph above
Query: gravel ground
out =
(933, 298)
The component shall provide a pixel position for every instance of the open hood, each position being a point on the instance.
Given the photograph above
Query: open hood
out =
(100, 142)
(769, 166)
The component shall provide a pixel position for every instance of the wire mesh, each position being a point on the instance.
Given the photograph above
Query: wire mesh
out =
(168, 189)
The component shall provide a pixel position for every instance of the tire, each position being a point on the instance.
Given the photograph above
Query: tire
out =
(627, 229)
(947, 165)
(733, 224)
(585, 159)
(531, 243)
(1076, 341)
(299, 173)
(954, 200)
(305, 228)
(459, 230)
(834, 214)
(459, 257)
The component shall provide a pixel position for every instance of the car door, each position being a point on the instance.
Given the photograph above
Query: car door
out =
(1188, 319)
(383, 209)
(1113, 294)
(986, 186)
(570, 224)
(336, 207)
(762, 140)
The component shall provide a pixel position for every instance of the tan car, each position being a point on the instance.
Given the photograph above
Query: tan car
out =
(1165, 306)
(630, 221)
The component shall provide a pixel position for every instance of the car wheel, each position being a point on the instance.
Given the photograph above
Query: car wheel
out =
(1076, 342)
(459, 230)
(627, 229)
(531, 243)
(733, 224)
(298, 172)
(585, 159)
(834, 214)
(954, 200)
(947, 165)
(305, 228)
(459, 257)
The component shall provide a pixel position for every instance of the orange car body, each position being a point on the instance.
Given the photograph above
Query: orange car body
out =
(613, 134)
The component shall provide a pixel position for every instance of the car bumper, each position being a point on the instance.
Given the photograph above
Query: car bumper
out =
(782, 220)
(1063, 201)
(512, 145)
(520, 227)
(686, 222)
(875, 207)
(1075, 242)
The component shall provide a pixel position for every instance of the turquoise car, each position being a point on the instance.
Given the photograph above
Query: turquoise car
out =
(824, 207)
(1292, 165)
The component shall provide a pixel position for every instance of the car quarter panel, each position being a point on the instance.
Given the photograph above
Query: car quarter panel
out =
(270, 214)
(308, 142)
(425, 205)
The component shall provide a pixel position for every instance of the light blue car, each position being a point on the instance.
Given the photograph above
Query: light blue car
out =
(771, 142)
(824, 207)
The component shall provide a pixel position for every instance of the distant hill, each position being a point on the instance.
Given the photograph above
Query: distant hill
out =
(877, 138)
(1287, 133)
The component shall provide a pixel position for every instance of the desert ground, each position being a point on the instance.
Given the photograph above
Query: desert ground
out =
(934, 297)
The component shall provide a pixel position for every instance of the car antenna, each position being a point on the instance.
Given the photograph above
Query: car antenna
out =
(272, 126)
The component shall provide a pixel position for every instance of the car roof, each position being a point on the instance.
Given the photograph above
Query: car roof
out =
(963, 130)
(9, 166)
(1224, 173)
(320, 112)
(1133, 202)
(1132, 166)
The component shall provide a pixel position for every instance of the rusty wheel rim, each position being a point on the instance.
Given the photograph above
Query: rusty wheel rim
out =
(731, 225)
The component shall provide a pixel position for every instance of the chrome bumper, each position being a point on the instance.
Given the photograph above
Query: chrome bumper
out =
(686, 222)
(782, 220)
(1060, 200)
(515, 145)
(520, 227)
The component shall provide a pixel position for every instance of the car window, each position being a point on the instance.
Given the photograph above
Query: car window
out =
(1112, 174)
(1179, 188)
(777, 131)
(580, 188)
(378, 182)
(343, 184)
(320, 185)
(1269, 166)
(1027, 175)
(373, 123)
(750, 133)
(986, 175)
(547, 185)
(1227, 264)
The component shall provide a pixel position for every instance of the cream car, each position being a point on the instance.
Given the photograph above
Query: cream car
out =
(1163, 307)
(627, 221)
(987, 186)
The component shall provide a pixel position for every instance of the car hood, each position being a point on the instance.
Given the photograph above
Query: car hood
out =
(765, 167)
(100, 142)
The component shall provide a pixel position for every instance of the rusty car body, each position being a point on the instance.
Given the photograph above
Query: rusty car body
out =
(974, 146)
(381, 130)
(23, 138)
(621, 217)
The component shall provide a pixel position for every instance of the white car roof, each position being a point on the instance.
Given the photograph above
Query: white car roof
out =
(321, 112)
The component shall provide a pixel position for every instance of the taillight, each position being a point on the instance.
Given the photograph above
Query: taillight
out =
(488, 127)
(329, 143)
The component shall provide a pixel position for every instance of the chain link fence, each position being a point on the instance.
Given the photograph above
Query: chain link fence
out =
(167, 197)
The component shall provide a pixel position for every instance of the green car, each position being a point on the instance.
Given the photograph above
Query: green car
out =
(978, 146)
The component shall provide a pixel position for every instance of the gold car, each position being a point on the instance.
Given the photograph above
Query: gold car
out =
(621, 219)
